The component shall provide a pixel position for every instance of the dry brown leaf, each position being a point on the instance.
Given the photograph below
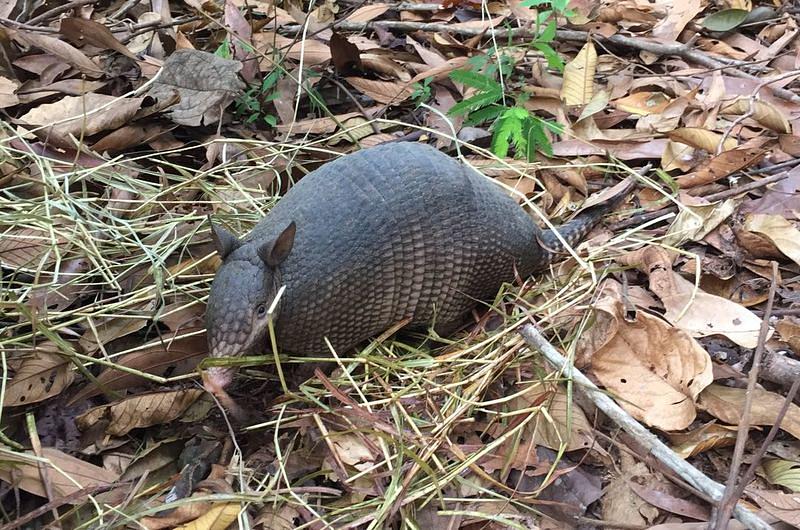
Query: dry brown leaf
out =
(45, 373)
(8, 92)
(75, 474)
(80, 116)
(206, 84)
(219, 517)
(83, 31)
(58, 48)
(721, 166)
(655, 370)
(30, 247)
(179, 356)
(106, 330)
(319, 125)
(726, 403)
(578, 87)
(709, 436)
(700, 138)
(697, 312)
(142, 410)
(694, 222)
(679, 14)
(784, 506)
(780, 231)
(368, 12)
(312, 52)
(386, 92)
(763, 112)
(643, 103)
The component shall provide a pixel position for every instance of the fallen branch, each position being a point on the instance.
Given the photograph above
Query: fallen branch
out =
(677, 49)
(649, 440)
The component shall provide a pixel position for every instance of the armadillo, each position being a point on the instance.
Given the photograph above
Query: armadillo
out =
(393, 232)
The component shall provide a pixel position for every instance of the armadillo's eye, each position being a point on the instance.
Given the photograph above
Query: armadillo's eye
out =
(261, 310)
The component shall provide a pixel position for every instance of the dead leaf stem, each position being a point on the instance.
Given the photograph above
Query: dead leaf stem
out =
(719, 520)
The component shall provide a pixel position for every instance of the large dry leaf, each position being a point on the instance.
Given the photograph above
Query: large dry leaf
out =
(311, 52)
(691, 309)
(74, 474)
(578, 86)
(780, 231)
(784, 506)
(694, 222)
(368, 12)
(575, 432)
(219, 517)
(30, 247)
(700, 138)
(82, 31)
(727, 403)
(386, 92)
(656, 371)
(709, 436)
(763, 112)
(721, 166)
(206, 84)
(59, 48)
(81, 116)
(42, 375)
(138, 411)
(8, 93)
(679, 14)
(178, 357)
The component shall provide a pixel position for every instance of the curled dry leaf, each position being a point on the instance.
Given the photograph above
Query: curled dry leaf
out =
(726, 403)
(45, 373)
(205, 82)
(65, 474)
(60, 49)
(694, 222)
(82, 31)
(701, 139)
(80, 116)
(761, 111)
(219, 517)
(138, 411)
(553, 431)
(784, 506)
(386, 92)
(578, 86)
(8, 93)
(311, 52)
(687, 307)
(709, 436)
(29, 247)
(179, 356)
(780, 231)
(721, 166)
(655, 370)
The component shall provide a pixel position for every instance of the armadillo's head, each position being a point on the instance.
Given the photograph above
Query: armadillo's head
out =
(243, 291)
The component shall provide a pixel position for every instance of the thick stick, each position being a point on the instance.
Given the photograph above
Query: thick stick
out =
(649, 440)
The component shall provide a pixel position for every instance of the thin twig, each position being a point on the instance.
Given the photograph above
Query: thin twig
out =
(723, 513)
(733, 192)
(624, 420)
(658, 48)
(69, 6)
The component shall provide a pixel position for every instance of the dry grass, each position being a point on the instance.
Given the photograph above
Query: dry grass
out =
(406, 425)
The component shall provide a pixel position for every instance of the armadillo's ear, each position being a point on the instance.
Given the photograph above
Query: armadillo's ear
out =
(224, 241)
(274, 252)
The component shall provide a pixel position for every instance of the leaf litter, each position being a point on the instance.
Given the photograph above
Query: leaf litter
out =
(121, 138)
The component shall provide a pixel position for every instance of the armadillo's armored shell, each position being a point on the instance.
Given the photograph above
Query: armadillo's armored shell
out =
(399, 230)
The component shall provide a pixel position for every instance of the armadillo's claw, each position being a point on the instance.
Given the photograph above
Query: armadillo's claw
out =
(215, 379)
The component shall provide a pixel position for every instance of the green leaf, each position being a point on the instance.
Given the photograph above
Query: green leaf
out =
(271, 120)
(485, 114)
(508, 129)
(475, 80)
(560, 5)
(555, 127)
(542, 17)
(783, 473)
(725, 20)
(553, 59)
(538, 139)
(476, 102)
(549, 33)
(533, 3)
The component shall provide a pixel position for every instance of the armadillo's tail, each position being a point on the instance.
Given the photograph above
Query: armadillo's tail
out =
(578, 228)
